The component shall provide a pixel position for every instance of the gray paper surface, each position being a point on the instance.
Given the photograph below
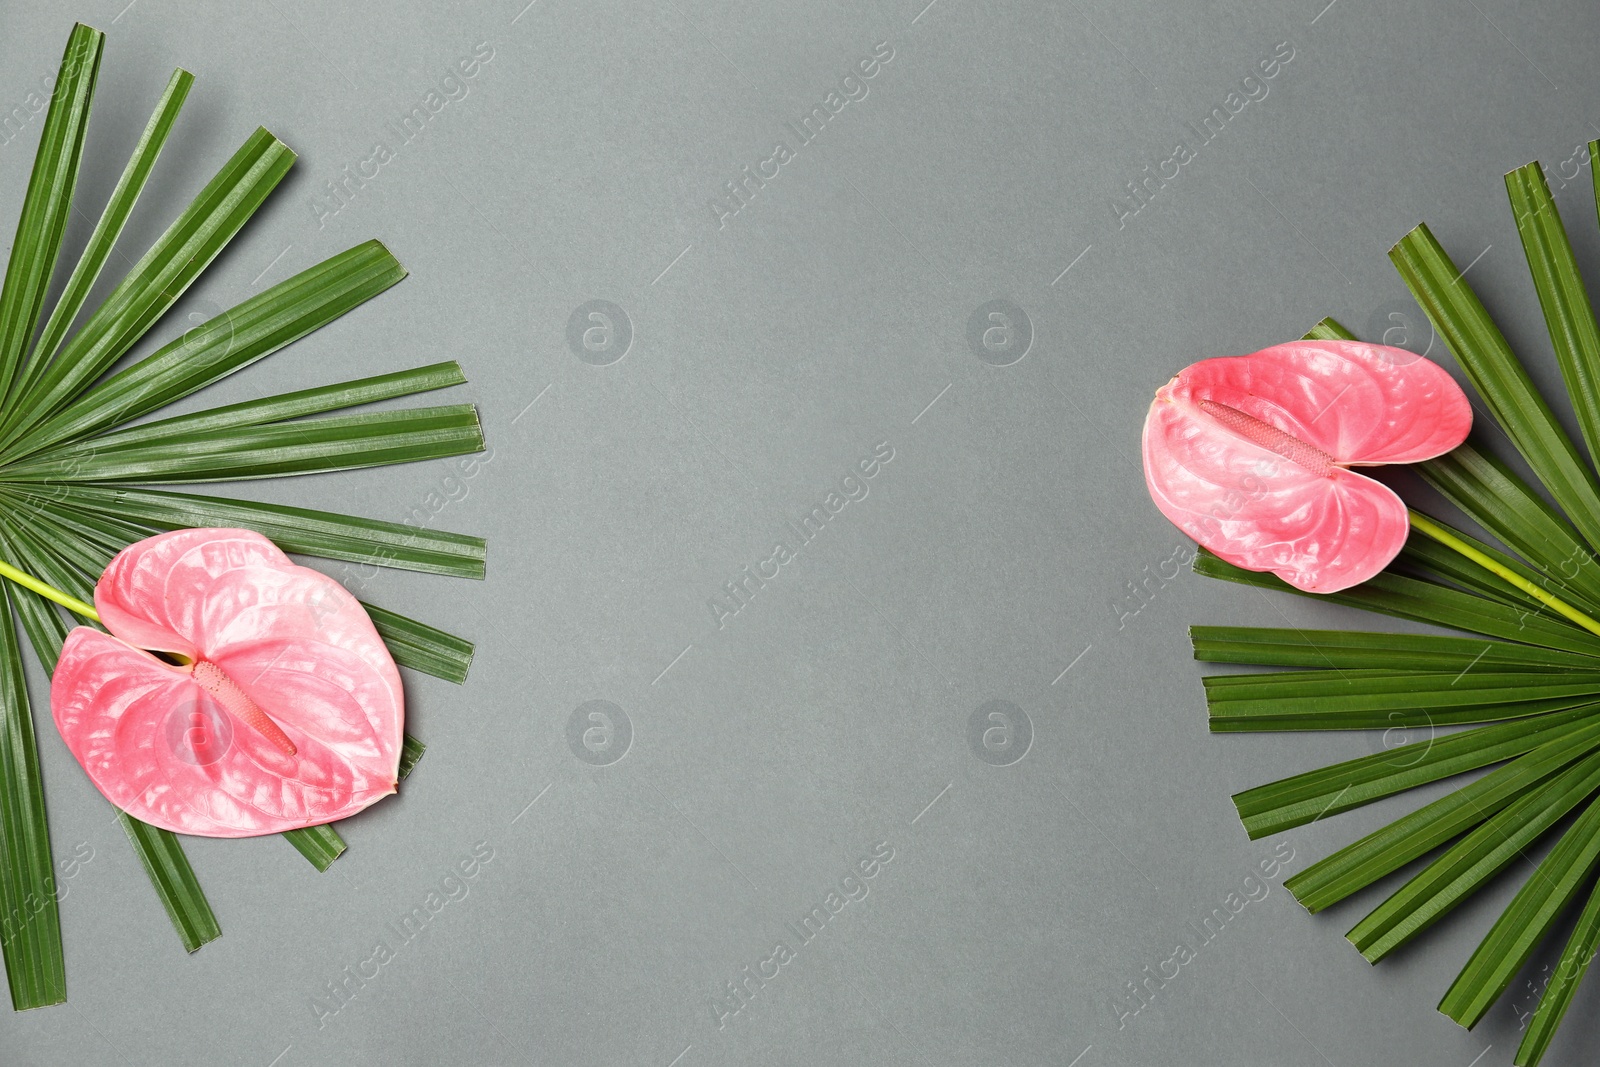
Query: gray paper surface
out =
(833, 702)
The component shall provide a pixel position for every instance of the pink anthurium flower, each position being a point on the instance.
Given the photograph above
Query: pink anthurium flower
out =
(1250, 455)
(283, 708)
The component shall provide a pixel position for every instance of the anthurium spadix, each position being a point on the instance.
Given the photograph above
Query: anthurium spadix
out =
(273, 703)
(1251, 455)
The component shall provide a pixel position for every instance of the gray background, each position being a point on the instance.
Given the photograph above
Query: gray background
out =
(768, 356)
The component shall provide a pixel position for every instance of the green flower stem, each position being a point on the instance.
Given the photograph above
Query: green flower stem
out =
(1426, 525)
(50, 592)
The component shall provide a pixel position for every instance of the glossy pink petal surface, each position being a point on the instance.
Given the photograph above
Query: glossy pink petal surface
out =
(170, 751)
(1249, 454)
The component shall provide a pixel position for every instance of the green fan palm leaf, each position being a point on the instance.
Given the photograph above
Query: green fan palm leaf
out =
(83, 447)
(1531, 596)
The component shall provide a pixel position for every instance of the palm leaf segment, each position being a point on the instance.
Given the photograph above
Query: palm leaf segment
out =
(1532, 674)
(76, 471)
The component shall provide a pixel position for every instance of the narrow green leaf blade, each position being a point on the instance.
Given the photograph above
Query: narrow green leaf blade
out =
(1565, 302)
(1480, 348)
(285, 406)
(164, 861)
(46, 627)
(109, 228)
(42, 622)
(30, 926)
(1525, 921)
(411, 751)
(1409, 598)
(1380, 699)
(1427, 559)
(296, 530)
(1284, 647)
(1558, 993)
(48, 203)
(422, 647)
(1470, 863)
(1329, 329)
(1494, 497)
(1594, 173)
(106, 533)
(1305, 798)
(1384, 851)
(310, 446)
(319, 844)
(68, 563)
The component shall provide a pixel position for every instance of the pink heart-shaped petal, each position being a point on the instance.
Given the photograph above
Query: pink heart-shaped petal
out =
(290, 715)
(1249, 454)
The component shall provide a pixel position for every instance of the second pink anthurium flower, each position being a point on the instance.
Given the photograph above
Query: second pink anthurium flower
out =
(1250, 455)
(283, 709)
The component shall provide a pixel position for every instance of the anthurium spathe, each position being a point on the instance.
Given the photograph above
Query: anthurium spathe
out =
(1250, 455)
(275, 704)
